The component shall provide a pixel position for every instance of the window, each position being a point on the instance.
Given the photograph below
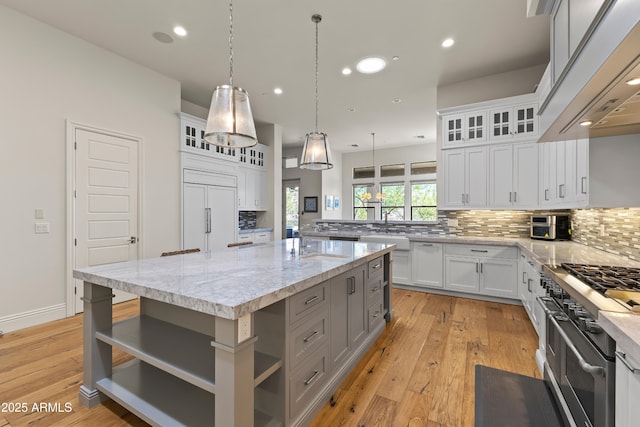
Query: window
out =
(364, 172)
(360, 208)
(423, 201)
(393, 202)
(421, 168)
(392, 170)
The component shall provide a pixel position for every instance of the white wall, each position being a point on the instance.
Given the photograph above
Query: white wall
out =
(48, 77)
(271, 136)
(332, 185)
(425, 152)
(310, 185)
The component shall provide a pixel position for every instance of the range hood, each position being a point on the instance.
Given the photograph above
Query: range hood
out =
(593, 87)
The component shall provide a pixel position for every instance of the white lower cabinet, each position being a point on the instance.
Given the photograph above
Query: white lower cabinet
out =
(481, 269)
(529, 290)
(256, 237)
(426, 264)
(401, 267)
(627, 389)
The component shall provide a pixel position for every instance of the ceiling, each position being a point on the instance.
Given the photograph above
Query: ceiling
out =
(274, 46)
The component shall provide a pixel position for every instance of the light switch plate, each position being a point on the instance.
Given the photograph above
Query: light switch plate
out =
(244, 328)
(39, 213)
(452, 222)
(42, 227)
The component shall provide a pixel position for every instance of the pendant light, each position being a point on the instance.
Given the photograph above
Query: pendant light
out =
(230, 122)
(316, 154)
(379, 196)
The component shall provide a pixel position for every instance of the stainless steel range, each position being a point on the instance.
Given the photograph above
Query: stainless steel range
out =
(580, 356)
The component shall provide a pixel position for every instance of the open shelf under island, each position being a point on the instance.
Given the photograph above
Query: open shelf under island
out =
(257, 335)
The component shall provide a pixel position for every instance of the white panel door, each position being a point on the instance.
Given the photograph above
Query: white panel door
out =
(194, 216)
(501, 176)
(476, 179)
(224, 217)
(426, 264)
(499, 278)
(525, 174)
(454, 170)
(106, 203)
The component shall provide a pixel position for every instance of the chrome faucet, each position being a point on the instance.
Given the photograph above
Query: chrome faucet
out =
(386, 221)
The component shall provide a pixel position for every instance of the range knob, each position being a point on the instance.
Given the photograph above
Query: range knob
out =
(593, 327)
(579, 312)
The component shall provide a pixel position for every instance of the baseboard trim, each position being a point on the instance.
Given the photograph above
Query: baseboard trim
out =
(26, 319)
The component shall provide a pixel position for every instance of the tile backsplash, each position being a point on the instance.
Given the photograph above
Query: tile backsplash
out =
(247, 219)
(616, 231)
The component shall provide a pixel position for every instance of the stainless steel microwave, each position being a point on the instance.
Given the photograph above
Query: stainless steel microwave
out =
(550, 227)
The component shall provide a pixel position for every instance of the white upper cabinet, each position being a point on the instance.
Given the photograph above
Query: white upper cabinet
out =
(513, 176)
(512, 119)
(465, 178)
(564, 174)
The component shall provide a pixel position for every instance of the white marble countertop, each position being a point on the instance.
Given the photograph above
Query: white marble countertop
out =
(544, 252)
(624, 328)
(254, 230)
(234, 281)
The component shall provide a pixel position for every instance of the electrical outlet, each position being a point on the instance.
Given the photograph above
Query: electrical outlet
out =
(42, 227)
(452, 222)
(244, 328)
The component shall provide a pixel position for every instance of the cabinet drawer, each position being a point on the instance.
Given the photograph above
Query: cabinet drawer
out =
(376, 267)
(374, 286)
(482, 251)
(376, 314)
(307, 381)
(308, 337)
(306, 301)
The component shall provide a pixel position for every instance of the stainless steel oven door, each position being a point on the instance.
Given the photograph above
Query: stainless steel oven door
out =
(585, 376)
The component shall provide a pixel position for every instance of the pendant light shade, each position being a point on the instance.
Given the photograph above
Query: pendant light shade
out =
(316, 154)
(230, 122)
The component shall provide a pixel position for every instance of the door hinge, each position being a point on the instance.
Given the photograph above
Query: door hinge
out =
(75, 194)
(75, 290)
(75, 242)
(75, 145)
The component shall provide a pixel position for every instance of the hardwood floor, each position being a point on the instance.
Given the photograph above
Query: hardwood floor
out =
(420, 372)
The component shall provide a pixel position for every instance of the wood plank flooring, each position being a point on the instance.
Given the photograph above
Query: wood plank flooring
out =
(420, 372)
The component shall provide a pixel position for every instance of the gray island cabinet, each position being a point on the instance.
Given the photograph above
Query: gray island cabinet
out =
(247, 336)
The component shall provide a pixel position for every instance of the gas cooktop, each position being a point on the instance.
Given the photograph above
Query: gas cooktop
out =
(605, 278)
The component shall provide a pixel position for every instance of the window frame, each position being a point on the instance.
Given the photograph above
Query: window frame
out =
(412, 206)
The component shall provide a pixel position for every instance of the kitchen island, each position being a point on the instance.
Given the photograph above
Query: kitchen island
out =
(255, 335)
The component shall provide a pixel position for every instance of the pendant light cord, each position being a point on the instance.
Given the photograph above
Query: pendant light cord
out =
(316, 20)
(373, 151)
(231, 43)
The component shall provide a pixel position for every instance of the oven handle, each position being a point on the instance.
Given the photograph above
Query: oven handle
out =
(588, 368)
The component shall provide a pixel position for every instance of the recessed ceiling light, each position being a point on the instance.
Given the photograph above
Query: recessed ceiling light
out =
(633, 82)
(351, 110)
(277, 91)
(370, 65)
(346, 71)
(396, 100)
(448, 42)
(420, 136)
(586, 123)
(354, 145)
(395, 58)
(162, 37)
(179, 31)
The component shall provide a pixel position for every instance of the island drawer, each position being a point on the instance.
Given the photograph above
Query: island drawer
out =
(376, 313)
(307, 381)
(308, 337)
(374, 286)
(306, 301)
(376, 267)
(489, 251)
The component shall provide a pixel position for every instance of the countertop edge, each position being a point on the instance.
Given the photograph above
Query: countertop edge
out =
(624, 328)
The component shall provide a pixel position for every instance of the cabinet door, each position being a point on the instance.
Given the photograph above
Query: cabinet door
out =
(501, 175)
(426, 264)
(194, 216)
(548, 194)
(501, 124)
(339, 337)
(499, 278)
(401, 267)
(559, 38)
(453, 129)
(582, 170)
(476, 176)
(569, 191)
(525, 175)
(462, 274)
(224, 217)
(454, 177)
(525, 121)
(242, 189)
(358, 316)
(561, 184)
(261, 190)
(475, 127)
(627, 390)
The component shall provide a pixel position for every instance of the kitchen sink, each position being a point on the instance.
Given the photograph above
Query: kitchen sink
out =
(401, 242)
(321, 255)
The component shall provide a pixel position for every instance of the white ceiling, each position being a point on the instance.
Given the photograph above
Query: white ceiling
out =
(274, 45)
